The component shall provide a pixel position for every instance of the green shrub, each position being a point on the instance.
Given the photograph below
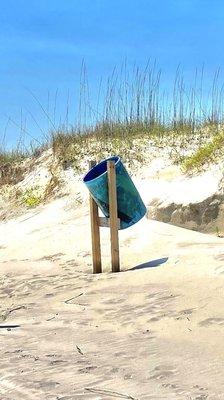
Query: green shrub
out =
(206, 153)
(31, 198)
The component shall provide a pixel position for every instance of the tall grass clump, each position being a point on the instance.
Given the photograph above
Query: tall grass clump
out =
(11, 156)
(134, 104)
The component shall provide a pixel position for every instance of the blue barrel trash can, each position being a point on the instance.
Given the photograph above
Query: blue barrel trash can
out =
(129, 203)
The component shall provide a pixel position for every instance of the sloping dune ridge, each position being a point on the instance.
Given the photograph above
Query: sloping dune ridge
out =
(152, 331)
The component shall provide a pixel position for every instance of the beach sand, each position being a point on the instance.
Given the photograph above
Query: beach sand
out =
(153, 331)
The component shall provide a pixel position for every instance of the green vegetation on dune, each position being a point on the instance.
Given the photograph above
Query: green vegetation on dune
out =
(210, 152)
(12, 156)
(131, 141)
(134, 113)
(31, 197)
(105, 139)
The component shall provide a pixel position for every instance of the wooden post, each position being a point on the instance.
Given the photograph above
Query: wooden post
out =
(112, 194)
(95, 232)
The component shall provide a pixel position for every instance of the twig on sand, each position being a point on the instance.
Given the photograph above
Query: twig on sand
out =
(72, 298)
(9, 326)
(16, 308)
(111, 393)
(49, 319)
(6, 313)
(79, 350)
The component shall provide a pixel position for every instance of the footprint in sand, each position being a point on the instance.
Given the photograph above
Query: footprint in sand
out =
(212, 321)
(219, 257)
(219, 270)
(162, 372)
(183, 314)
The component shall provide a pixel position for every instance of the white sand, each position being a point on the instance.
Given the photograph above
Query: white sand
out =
(168, 185)
(150, 333)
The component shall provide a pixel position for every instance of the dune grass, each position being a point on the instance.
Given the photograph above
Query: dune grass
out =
(133, 106)
(11, 156)
(210, 152)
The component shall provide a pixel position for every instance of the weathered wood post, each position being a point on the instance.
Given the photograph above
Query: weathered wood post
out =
(95, 232)
(112, 194)
(113, 223)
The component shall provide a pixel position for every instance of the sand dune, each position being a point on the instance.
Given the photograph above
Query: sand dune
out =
(153, 331)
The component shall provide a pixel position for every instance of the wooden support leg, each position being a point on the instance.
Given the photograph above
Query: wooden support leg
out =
(112, 193)
(95, 233)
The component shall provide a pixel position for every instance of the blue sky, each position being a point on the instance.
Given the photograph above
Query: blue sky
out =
(43, 43)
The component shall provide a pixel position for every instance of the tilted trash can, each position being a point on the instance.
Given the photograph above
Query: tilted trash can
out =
(129, 203)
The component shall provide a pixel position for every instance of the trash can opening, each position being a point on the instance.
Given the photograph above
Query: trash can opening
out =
(99, 169)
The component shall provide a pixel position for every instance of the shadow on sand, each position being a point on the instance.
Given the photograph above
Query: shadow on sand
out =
(151, 264)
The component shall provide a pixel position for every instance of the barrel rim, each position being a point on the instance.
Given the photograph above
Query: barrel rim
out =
(85, 178)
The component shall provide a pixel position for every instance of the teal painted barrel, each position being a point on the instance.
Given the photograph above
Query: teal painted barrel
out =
(129, 203)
